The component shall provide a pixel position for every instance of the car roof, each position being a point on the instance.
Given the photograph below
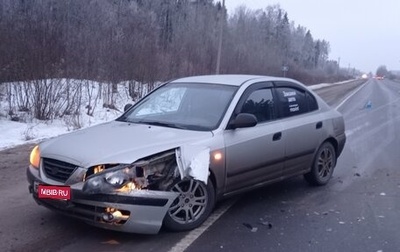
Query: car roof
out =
(229, 79)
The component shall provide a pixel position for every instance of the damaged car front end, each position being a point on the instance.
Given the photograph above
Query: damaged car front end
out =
(125, 197)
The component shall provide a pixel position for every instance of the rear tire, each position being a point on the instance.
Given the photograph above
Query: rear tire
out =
(192, 207)
(323, 165)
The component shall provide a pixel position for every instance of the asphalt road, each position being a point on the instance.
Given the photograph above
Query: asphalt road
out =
(359, 210)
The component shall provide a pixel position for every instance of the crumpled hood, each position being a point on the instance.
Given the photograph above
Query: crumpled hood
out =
(117, 142)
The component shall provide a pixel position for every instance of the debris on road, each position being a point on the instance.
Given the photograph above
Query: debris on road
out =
(252, 229)
(265, 223)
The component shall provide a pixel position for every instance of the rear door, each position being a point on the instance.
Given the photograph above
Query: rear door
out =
(255, 154)
(302, 126)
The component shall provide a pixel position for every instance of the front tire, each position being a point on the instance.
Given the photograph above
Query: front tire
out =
(192, 207)
(323, 165)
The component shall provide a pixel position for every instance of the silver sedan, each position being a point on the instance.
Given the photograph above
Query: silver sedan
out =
(192, 141)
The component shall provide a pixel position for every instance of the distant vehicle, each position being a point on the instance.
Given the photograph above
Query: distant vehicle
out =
(379, 77)
(191, 142)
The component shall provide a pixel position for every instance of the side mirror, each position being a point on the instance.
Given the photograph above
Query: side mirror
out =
(127, 107)
(243, 120)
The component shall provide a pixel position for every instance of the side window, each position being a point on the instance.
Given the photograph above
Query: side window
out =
(260, 103)
(291, 101)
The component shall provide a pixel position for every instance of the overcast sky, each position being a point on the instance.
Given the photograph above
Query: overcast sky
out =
(362, 34)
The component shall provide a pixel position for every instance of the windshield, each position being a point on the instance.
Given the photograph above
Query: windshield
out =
(183, 105)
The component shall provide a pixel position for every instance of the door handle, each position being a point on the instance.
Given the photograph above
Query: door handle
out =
(277, 136)
(319, 125)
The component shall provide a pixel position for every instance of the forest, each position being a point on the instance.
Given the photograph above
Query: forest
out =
(145, 42)
(154, 40)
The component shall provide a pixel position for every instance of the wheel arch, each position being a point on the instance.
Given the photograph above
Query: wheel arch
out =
(319, 177)
(335, 144)
(214, 182)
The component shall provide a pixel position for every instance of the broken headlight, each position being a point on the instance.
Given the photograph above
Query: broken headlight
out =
(156, 172)
(118, 178)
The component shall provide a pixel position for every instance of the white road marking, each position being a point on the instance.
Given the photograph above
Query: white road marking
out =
(352, 131)
(186, 241)
(348, 97)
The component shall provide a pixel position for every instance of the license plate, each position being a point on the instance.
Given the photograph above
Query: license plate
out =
(54, 192)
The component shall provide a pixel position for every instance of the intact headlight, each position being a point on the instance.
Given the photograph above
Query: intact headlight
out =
(34, 158)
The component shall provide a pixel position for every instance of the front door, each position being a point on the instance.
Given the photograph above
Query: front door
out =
(255, 154)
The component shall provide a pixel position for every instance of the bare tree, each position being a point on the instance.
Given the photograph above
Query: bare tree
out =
(142, 42)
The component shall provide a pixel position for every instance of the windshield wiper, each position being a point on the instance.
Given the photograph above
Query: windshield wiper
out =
(162, 124)
(170, 125)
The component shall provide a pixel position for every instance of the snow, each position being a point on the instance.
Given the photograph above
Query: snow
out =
(14, 133)
(17, 133)
(322, 85)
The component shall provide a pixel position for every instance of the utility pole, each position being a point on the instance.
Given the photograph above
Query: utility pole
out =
(222, 18)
